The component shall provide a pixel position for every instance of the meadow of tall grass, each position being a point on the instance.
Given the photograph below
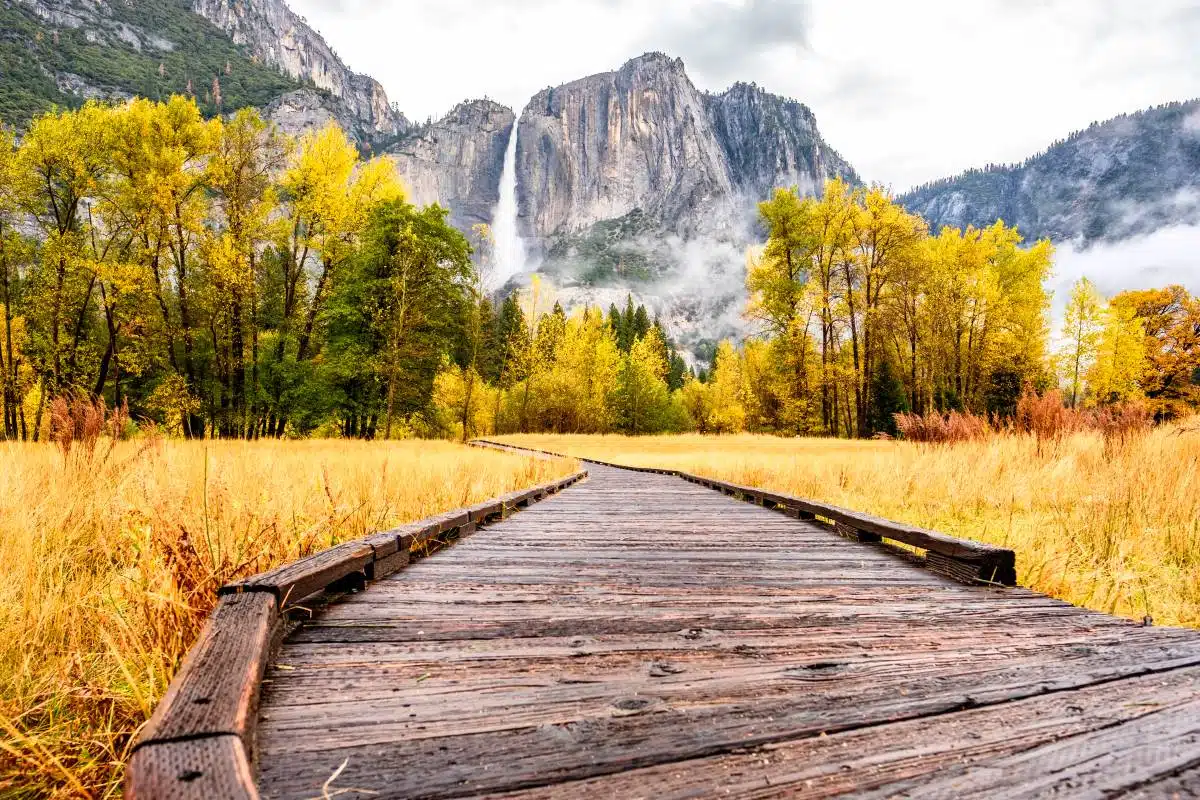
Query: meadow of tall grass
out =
(110, 555)
(1110, 522)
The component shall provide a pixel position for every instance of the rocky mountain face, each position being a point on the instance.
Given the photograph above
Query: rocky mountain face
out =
(457, 160)
(772, 141)
(1128, 176)
(65, 52)
(600, 147)
(643, 139)
(276, 35)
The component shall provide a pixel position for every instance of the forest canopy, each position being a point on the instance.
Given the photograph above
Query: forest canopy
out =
(222, 279)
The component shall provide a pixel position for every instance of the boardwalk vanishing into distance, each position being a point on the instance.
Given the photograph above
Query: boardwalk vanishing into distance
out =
(637, 635)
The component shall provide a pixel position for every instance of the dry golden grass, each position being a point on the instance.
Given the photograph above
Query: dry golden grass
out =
(109, 566)
(1117, 531)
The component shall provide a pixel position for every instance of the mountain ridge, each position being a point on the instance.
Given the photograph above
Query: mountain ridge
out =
(1118, 178)
(644, 138)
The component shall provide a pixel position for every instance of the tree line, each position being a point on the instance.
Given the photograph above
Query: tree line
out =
(218, 277)
(1140, 346)
(865, 314)
(223, 280)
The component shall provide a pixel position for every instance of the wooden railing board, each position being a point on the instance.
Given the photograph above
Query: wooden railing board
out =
(384, 543)
(216, 689)
(486, 511)
(972, 561)
(388, 565)
(293, 582)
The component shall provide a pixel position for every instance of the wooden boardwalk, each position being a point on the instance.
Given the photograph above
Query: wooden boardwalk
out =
(641, 636)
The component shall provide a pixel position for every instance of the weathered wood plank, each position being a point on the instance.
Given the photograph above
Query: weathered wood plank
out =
(384, 543)
(863, 760)
(728, 701)
(194, 769)
(293, 582)
(216, 688)
(387, 565)
(1158, 744)
(487, 511)
(635, 730)
(1184, 785)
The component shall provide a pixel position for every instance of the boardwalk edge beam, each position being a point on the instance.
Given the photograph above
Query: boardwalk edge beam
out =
(199, 742)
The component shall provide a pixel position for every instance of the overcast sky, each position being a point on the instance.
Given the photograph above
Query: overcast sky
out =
(907, 91)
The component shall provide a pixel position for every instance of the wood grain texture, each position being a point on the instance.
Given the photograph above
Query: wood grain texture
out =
(216, 689)
(1184, 785)
(197, 769)
(880, 762)
(293, 582)
(643, 636)
(387, 565)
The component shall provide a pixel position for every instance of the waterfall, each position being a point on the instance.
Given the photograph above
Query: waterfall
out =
(509, 256)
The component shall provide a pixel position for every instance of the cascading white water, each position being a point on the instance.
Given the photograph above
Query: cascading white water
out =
(509, 256)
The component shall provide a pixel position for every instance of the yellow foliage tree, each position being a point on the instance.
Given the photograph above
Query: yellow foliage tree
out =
(1083, 327)
(461, 403)
(642, 387)
(1116, 373)
(579, 393)
(727, 384)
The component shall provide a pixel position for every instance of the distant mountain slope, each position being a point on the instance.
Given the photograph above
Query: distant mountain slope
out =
(238, 52)
(1130, 175)
(771, 141)
(274, 34)
(63, 52)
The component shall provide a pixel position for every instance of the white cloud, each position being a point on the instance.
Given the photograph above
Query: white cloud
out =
(1167, 256)
(909, 92)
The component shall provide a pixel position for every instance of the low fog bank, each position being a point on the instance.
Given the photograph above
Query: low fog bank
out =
(1166, 256)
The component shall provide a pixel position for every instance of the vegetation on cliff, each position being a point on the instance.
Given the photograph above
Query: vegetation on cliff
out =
(151, 50)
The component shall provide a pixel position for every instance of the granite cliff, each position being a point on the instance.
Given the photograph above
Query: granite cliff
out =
(274, 34)
(456, 161)
(644, 140)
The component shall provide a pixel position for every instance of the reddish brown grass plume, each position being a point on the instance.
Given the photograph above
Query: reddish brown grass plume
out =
(935, 428)
(76, 419)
